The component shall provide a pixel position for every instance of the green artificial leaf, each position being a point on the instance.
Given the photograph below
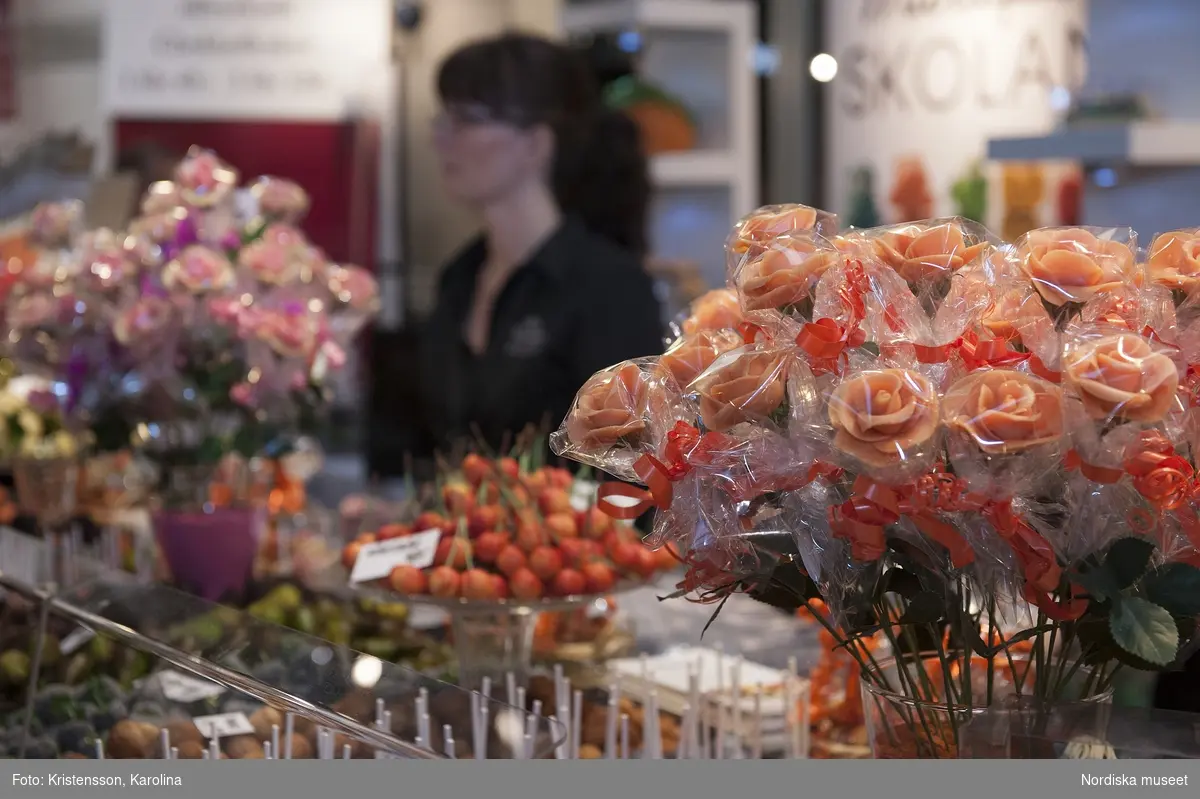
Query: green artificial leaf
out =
(1144, 630)
(1175, 587)
(1127, 560)
(870, 347)
(923, 608)
(1100, 584)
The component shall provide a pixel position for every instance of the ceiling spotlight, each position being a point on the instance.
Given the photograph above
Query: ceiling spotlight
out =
(823, 67)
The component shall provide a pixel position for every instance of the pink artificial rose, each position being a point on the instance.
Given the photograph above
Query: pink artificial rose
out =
(203, 179)
(106, 262)
(280, 199)
(226, 310)
(292, 333)
(199, 270)
(147, 317)
(161, 198)
(242, 394)
(53, 224)
(354, 287)
(281, 256)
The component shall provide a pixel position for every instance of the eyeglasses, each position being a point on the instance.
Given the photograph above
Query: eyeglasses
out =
(459, 117)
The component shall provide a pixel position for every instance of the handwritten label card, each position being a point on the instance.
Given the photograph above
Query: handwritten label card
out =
(78, 637)
(185, 689)
(376, 561)
(583, 495)
(223, 725)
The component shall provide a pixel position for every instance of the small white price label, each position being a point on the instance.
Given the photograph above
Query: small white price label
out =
(223, 725)
(184, 689)
(583, 495)
(376, 561)
(78, 637)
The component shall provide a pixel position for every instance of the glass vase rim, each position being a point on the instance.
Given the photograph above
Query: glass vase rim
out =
(906, 700)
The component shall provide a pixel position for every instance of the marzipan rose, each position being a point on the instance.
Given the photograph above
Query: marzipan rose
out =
(610, 407)
(920, 253)
(1004, 411)
(770, 222)
(199, 269)
(1122, 376)
(1073, 265)
(715, 310)
(693, 354)
(1174, 260)
(748, 386)
(881, 417)
(1003, 315)
(784, 274)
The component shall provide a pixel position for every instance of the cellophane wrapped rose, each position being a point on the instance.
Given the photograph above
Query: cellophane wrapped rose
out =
(780, 278)
(762, 226)
(1070, 267)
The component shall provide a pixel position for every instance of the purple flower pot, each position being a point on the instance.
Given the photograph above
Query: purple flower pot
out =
(210, 554)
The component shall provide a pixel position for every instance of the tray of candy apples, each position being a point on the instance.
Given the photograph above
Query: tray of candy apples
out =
(498, 532)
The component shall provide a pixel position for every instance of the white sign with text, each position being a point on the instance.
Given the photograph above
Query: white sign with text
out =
(247, 59)
(376, 561)
(924, 84)
(223, 725)
(186, 689)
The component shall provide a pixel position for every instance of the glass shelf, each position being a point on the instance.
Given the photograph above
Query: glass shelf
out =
(325, 684)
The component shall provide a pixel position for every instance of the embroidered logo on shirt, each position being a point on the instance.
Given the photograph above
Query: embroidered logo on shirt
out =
(527, 339)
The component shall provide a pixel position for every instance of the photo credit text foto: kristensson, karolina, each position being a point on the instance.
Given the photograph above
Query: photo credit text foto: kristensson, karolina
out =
(57, 780)
(1110, 780)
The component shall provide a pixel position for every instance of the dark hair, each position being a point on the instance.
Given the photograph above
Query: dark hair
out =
(600, 171)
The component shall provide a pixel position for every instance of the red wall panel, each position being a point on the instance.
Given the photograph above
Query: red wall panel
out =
(336, 162)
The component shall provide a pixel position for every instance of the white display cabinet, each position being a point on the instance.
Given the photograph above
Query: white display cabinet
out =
(701, 51)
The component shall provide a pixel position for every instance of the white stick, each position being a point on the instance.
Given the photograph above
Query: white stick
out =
(486, 688)
(735, 689)
(610, 729)
(652, 739)
(378, 712)
(576, 723)
(289, 723)
(486, 724)
(536, 709)
(214, 749)
(645, 664)
(521, 699)
(694, 694)
(164, 739)
(267, 750)
(531, 729)
(684, 747)
(476, 726)
(428, 734)
(275, 740)
(510, 686)
(448, 741)
(204, 755)
(423, 710)
(795, 709)
(561, 751)
(624, 736)
(758, 724)
(345, 751)
(99, 748)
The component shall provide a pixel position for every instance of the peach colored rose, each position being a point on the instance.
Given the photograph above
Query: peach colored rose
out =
(610, 407)
(354, 287)
(1005, 411)
(783, 274)
(715, 310)
(771, 222)
(1174, 260)
(1073, 265)
(1003, 314)
(1121, 376)
(881, 417)
(694, 353)
(199, 269)
(922, 253)
(747, 387)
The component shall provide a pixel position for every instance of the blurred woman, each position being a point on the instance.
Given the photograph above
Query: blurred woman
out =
(553, 289)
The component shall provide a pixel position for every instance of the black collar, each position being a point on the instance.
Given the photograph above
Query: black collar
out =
(553, 259)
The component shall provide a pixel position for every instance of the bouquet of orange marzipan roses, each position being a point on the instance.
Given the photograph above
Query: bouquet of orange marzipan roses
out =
(977, 453)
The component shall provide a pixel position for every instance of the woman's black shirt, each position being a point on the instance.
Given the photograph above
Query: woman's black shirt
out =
(579, 305)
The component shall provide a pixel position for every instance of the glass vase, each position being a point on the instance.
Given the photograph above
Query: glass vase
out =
(908, 719)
